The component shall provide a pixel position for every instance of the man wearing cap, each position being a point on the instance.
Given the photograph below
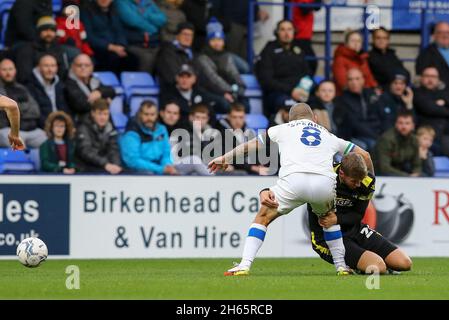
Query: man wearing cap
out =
(218, 73)
(185, 92)
(29, 54)
(174, 54)
(398, 97)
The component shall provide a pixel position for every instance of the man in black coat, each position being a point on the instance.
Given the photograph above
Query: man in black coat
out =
(23, 18)
(437, 54)
(432, 108)
(47, 89)
(383, 61)
(29, 54)
(281, 67)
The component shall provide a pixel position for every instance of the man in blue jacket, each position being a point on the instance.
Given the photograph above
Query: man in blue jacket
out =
(145, 146)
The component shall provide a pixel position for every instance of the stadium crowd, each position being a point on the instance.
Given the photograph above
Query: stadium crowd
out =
(197, 51)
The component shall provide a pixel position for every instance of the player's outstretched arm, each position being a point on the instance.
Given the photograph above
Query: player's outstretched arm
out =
(221, 163)
(12, 111)
(366, 156)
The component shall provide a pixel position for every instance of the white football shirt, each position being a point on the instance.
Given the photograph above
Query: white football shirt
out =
(305, 146)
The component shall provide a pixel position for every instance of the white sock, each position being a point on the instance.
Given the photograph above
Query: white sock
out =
(253, 242)
(334, 241)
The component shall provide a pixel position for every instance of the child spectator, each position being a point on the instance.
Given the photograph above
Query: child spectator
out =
(425, 135)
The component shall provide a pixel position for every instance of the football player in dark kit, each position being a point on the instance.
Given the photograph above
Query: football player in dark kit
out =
(365, 248)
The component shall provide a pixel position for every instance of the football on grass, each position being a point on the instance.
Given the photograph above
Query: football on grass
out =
(32, 252)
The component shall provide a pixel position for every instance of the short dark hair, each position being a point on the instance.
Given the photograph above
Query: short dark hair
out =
(200, 108)
(147, 104)
(164, 106)
(405, 114)
(237, 107)
(381, 29)
(100, 104)
(354, 166)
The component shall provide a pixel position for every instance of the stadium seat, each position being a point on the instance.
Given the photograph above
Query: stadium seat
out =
(120, 121)
(256, 121)
(317, 79)
(116, 105)
(441, 166)
(5, 7)
(57, 6)
(138, 84)
(15, 161)
(253, 92)
(134, 103)
(35, 158)
(110, 79)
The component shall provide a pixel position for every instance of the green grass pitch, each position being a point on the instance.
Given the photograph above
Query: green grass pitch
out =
(203, 279)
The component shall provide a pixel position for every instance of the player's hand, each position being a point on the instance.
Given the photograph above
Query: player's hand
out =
(328, 220)
(268, 199)
(16, 142)
(217, 164)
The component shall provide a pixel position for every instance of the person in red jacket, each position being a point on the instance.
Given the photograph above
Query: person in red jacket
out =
(348, 56)
(71, 32)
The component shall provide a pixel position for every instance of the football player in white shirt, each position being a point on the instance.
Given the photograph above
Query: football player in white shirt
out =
(306, 176)
(13, 114)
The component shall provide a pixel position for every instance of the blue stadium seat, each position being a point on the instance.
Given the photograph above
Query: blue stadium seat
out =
(135, 102)
(15, 161)
(253, 92)
(116, 105)
(57, 5)
(35, 158)
(256, 121)
(110, 79)
(317, 79)
(441, 166)
(120, 121)
(5, 7)
(138, 84)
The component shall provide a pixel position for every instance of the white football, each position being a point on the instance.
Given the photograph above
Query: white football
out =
(31, 252)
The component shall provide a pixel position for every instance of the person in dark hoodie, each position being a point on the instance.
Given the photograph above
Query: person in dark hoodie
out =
(29, 54)
(23, 17)
(32, 135)
(47, 89)
(323, 105)
(97, 148)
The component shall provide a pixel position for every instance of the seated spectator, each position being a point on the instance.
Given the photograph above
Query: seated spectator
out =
(356, 113)
(396, 98)
(57, 154)
(105, 35)
(175, 16)
(170, 117)
(350, 55)
(145, 146)
(197, 13)
(32, 135)
(186, 93)
(173, 55)
(142, 21)
(282, 116)
(437, 53)
(323, 105)
(281, 67)
(82, 89)
(47, 89)
(23, 17)
(397, 151)
(72, 34)
(219, 75)
(383, 61)
(97, 148)
(28, 55)
(233, 133)
(426, 135)
(431, 101)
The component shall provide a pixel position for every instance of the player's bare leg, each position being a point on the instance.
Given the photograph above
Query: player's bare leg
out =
(369, 260)
(398, 261)
(254, 240)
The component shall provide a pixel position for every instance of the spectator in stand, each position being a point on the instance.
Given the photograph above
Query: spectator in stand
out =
(174, 54)
(383, 61)
(70, 33)
(97, 147)
(57, 154)
(197, 13)
(431, 101)
(32, 135)
(236, 13)
(175, 16)
(142, 20)
(303, 21)
(145, 146)
(350, 55)
(396, 98)
(28, 55)
(82, 89)
(47, 89)
(170, 117)
(356, 114)
(397, 151)
(233, 133)
(23, 17)
(281, 68)
(106, 35)
(426, 135)
(219, 75)
(282, 116)
(185, 92)
(436, 54)
(322, 104)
